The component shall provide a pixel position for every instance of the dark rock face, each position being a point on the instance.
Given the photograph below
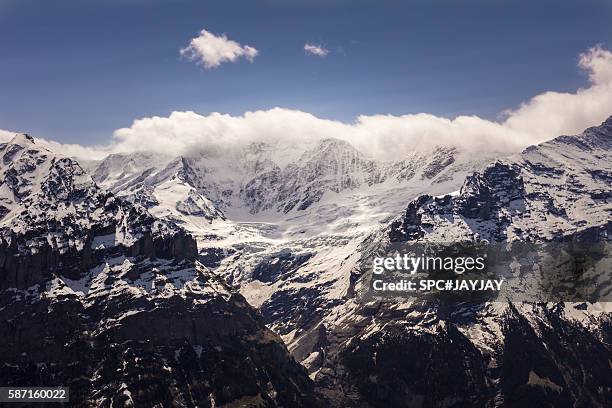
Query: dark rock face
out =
(557, 363)
(386, 353)
(413, 368)
(166, 352)
(274, 267)
(409, 227)
(211, 257)
(304, 314)
(20, 269)
(564, 366)
(481, 193)
(99, 296)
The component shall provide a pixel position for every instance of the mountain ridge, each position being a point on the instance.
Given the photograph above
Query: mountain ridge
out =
(100, 296)
(304, 271)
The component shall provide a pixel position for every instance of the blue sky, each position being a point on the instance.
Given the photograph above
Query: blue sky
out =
(75, 71)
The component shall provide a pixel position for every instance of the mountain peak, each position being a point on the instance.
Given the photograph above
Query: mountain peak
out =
(330, 147)
(599, 136)
(22, 139)
(606, 126)
(334, 143)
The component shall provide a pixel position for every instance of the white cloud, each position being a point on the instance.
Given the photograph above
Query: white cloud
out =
(540, 118)
(315, 49)
(213, 50)
(553, 113)
(385, 136)
(83, 153)
(6, 135)
(72, 150)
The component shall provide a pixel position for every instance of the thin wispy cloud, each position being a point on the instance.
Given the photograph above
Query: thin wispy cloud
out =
(212, 50)
(316, 49)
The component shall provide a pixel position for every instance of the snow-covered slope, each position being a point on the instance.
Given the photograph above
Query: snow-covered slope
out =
(554, 189)
(306, 281)
(251, 181)
(251, 203)
(394, 353)
(49, 204)
(291, 231)
(98, 295)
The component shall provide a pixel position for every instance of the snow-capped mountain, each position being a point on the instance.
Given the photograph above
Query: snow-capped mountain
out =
(291, 228)
(558, 188)
(99, 296)
(253, 202)
(428, 353)
(253, 180)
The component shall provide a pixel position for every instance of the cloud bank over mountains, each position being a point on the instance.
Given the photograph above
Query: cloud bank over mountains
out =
(540, 118)
(5, 134)
(553, 113)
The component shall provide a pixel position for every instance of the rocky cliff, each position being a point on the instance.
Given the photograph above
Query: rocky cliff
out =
(99, 296)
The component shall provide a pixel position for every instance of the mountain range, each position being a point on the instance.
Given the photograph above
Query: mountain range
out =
(234, 278)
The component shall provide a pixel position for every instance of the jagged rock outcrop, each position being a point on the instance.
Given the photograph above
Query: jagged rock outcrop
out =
(99, 296)
(434, 353)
